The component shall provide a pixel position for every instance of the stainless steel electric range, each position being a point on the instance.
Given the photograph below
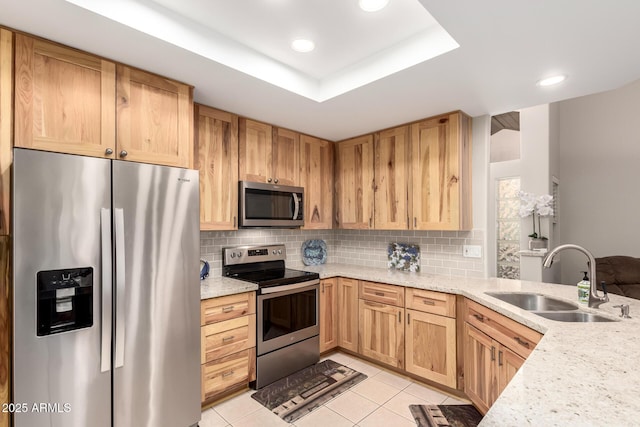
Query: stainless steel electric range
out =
(286, 310)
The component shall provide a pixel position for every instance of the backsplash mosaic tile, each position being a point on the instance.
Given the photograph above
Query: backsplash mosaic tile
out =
(441, 251)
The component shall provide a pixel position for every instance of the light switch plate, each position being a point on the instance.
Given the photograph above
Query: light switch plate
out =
(472, 251)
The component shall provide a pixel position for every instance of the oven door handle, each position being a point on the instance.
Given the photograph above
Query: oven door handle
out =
(283, 288)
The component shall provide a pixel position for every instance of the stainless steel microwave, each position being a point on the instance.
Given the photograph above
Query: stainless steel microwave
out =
(269, 205)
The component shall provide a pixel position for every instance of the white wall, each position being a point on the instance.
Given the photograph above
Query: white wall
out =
(599, 163)
(480, 140)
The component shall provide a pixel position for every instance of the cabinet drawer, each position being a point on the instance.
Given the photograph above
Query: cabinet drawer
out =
(229, 372)
(224, 338)
(385, 294)
(431, 302)
(507, 332)
(227, 307)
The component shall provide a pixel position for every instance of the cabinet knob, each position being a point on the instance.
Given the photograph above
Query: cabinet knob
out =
(123, 153)
(269, 180)
(276, 180)
(108, 151)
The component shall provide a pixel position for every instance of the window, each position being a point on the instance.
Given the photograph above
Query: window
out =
(508, 228)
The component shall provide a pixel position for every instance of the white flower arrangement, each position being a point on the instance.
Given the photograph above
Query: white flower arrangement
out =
(532, 205)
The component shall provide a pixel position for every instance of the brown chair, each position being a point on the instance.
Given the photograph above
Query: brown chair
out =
(621, 274)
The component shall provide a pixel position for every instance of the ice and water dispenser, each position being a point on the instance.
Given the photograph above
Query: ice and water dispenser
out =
(65, 300)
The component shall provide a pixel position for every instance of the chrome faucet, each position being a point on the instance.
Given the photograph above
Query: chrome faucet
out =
(594, 299)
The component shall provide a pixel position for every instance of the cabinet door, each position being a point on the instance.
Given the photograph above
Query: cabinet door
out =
(479, 377)
(354, 183)
(154, 119)
(216, 156)
(381, 333)
(285, 156)
(255, 156)
(316, 176)
(348, 314)
(431, 347)
(64, 99)
(328, 314)
(508, 364)
(6, 127)
(392, 172)
(441, 166)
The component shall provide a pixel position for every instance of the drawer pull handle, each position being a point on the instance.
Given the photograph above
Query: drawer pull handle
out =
(380, 294)
(227, 374)
(227, 339)
(227, 309)
(480, 317)
(399, 317)
(521, 342)
(500, 358)
(493, 353)
(428, 302)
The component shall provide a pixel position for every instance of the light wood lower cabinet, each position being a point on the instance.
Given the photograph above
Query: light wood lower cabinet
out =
(495, 347)
(5, 327)
(347, 307)
(328, 314)
(381, 325)
(228, 340)
(431, 347)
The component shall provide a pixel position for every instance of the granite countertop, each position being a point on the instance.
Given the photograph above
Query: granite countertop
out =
(578, 374)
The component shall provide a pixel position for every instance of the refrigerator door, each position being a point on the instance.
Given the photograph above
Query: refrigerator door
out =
(157, 321)
(61, 329)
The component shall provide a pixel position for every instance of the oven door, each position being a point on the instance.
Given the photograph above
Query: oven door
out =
(287, 314)
(268, 205)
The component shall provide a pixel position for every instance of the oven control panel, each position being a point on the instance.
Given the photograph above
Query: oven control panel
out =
(249, 254)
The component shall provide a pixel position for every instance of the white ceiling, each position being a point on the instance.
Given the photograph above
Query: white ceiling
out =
(505, 47)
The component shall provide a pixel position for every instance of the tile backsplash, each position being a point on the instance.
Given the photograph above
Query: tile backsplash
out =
(441, 251)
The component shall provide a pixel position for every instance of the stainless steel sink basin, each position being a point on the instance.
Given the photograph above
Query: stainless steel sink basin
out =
(533, 302)
(575, 316)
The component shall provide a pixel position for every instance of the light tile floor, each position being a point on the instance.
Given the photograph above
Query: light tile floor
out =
(382, 399)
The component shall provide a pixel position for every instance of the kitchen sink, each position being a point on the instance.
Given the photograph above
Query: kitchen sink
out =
(574, 316)
(533, 302)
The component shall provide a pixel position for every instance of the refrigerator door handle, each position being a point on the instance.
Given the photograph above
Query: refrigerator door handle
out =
(120, 288)
(106, 286)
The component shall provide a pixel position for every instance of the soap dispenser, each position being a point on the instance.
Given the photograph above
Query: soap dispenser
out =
(584, 288)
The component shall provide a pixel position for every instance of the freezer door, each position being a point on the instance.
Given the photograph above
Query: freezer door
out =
(62, 331)
(157, 321)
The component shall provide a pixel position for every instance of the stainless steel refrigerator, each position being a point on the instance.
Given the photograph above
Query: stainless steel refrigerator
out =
(106, 292)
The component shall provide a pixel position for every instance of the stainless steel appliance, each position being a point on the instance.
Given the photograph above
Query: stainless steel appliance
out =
(106, 292)
(287, 310)
(269, 205)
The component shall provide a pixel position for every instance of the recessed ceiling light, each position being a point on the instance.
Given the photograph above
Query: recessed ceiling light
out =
(554, 80)
(372, 5)
(302, 45)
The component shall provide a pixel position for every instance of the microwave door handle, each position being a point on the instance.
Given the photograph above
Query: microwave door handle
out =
(296, 204)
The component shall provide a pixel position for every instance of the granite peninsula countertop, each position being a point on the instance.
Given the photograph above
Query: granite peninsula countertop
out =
(579, 374)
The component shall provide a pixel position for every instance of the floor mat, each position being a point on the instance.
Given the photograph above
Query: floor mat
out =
(445, 415)
(300, 393)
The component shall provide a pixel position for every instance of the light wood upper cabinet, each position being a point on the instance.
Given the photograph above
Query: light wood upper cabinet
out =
(441, 173)
(285, 157)
(392, 169)
(255, 155)
(216, 157)
(354, 183)
(154, 119)
(328, 314)
(268, 154)
(316, 176)
(6, 121)
(347, 307)
(64, 99)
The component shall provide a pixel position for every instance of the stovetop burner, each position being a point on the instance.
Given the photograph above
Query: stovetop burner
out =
(263, 265)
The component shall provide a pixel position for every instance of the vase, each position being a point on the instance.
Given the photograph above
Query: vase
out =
(538, 244)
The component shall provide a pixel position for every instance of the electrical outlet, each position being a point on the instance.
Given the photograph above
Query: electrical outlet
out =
(472, 251)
